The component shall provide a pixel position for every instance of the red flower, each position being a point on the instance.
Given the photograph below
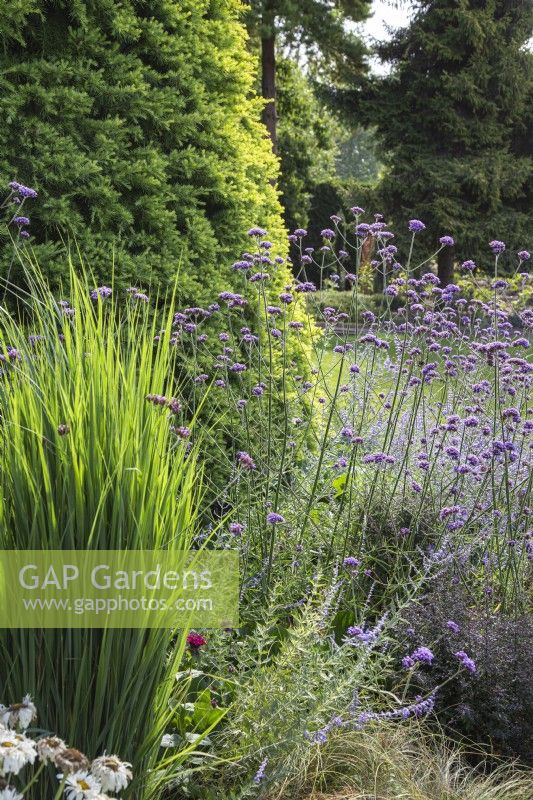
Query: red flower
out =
(195, 640)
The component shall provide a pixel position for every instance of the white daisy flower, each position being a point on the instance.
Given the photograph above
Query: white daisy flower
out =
(49, 748)
(81, 786)
(71, 760)
(10, 793)
(26, 713)
(16, 750)
(18, 715)
(113, 774)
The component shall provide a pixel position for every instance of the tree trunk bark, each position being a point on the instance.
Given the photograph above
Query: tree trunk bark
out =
(268, 77)
(445, 261)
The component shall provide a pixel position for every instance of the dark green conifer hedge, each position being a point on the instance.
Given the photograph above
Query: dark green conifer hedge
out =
(137, 123)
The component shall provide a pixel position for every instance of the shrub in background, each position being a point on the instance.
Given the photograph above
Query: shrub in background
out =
(343, 302)
(137, 123)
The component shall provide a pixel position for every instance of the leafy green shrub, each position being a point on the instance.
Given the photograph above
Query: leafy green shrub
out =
(344, 303)
(519, 292)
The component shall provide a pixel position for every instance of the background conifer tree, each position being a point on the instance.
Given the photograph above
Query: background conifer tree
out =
(316, 29)
(452, 118)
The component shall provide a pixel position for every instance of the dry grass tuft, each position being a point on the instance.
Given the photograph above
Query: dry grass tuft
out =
(399, 763)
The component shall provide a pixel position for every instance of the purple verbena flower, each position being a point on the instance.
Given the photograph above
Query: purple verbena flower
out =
(20, 189)
(497, 247)
(245, 460)
(351, 561)
(274, 519)
(236, 528)
(453, 626)
(101, 291)
(423, 655)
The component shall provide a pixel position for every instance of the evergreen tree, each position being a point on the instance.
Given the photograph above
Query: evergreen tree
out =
(316, 27)
(137, 123)
(451, 117)
(522, 145)
(317, 148)
(307, 143)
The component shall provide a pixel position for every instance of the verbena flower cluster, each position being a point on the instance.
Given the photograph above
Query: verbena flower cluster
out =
(18, 194)
(415, 422)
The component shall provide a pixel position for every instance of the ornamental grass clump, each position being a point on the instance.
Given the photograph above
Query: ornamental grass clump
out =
(405, 762)
(89, 464)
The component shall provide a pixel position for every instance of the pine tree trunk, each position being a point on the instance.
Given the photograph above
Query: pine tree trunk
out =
(268, 76)
(445, 265)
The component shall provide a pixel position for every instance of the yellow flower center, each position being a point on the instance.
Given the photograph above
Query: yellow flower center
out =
(83, 784)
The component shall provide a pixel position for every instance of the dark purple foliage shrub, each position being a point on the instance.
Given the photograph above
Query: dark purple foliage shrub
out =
(493, 705)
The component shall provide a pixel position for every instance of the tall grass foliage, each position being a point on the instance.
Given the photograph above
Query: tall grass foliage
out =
(88, 463)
